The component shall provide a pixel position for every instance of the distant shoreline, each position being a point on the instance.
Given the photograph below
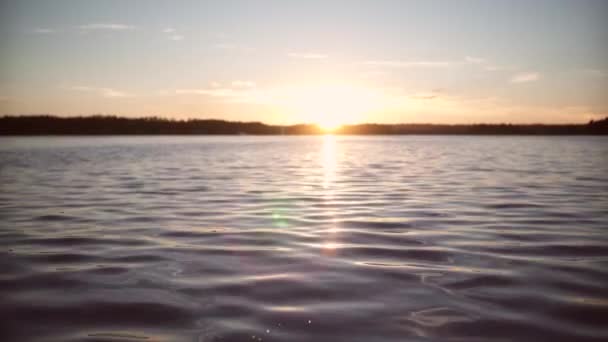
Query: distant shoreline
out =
(37, 125)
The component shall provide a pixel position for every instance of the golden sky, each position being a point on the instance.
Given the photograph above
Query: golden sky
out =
(325, 62)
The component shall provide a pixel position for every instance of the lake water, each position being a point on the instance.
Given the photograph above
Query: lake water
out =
(413, 238)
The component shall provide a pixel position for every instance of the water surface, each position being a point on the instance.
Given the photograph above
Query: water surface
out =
(416, 238)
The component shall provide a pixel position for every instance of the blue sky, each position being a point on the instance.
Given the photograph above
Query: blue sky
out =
(330, 62)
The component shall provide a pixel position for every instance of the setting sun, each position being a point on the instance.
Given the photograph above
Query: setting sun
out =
(329, 127)
(330, 105)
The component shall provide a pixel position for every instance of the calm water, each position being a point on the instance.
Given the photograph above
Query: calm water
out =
(304, 238)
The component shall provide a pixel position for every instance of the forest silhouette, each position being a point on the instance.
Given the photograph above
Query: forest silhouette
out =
(108, 125)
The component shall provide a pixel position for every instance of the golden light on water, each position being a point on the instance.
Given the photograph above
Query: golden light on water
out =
(329, 161)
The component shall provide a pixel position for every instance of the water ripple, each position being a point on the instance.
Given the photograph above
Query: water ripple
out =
(304, 239)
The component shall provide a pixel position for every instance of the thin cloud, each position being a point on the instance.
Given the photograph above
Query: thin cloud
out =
(44, 30)
(433, 94)
(232, 47)
(243, 84)
(409, 64)
(372, 74)
(104, 92)
(424, 96)
(227, 46)
(474, 60)
(172, 34)
(525, 77)
(238, 92)
(468, 60)
(213, 92)
(492, 68)
(306, 55)
(594, 72)
(106, 27)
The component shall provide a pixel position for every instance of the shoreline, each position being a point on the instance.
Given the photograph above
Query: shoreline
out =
(42, 125)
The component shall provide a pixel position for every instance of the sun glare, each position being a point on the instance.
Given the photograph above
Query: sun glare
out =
(330, 105)
(328, 126)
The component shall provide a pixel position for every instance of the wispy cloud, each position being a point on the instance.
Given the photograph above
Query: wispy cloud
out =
(105, 27)
(237, 47)
(172, 34)
(468, 60)
(234, 95)
(238, 91)
(409, 64)
(41, 30)
(243, 84)
(525, 77)
(306, 55)
(594, 72)
(474, 60)
(424, 96)
(104, 92)
(372, 74)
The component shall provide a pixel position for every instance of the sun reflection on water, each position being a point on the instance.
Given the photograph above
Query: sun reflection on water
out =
(329, 163)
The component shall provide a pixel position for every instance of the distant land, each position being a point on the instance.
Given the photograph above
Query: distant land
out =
(108, 125)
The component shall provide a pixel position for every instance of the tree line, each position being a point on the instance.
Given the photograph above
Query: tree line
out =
(105, 125)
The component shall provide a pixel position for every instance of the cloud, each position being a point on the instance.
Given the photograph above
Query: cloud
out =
(104, 92)
(372, 74)
(232, 47)
(227, 46)
(409, 64)
(243, 84)
(238, 91)
(172, 34)
(307, 55)
(43, 30)
(468, 60)
(594, 72)
(176, 37)
(424, 96)
(474, 60)
(213, 92)
(525, 77)
(106, 27)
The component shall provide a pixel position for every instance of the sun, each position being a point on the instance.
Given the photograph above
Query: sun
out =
(330, 105)
(329, 126)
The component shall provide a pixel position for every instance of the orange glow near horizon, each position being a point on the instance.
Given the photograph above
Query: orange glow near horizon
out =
(330, 105)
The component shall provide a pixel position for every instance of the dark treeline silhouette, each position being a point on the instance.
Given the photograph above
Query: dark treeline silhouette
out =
(101, 125)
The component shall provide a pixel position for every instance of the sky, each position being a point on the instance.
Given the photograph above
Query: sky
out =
(315, 61)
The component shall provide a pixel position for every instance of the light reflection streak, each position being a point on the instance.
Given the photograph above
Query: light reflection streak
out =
(329, 164)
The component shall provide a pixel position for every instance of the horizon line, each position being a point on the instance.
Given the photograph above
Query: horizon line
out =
(164, 118)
